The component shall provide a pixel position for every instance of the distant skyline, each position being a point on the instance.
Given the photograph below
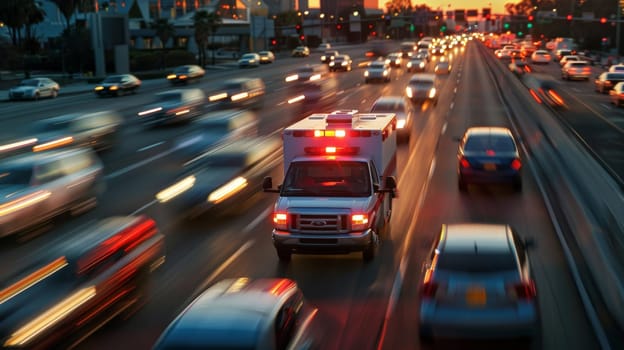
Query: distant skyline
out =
(497, 6)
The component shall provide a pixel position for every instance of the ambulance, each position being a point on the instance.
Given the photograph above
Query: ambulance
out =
(339, 182)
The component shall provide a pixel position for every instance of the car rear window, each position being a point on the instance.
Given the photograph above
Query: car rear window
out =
(578, 64)
(619, 76)
(15, 176)
(475, 262)
(481, 143)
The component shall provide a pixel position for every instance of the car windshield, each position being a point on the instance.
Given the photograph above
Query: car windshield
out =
(327, 179)
(17, 176)
(182, 70)
(169, 97)
(479, 262)
(113, 79)
(30, 82)
(482, 143)
(377, 66)
(249, 56)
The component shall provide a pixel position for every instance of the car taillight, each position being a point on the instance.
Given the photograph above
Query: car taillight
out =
(464, 163)
(428, 289)
(280, 220)
(516, 164)
(525, 290)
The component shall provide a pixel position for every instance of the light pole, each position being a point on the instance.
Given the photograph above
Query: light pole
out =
(618, 16)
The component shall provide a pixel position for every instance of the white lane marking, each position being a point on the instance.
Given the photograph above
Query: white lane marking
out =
(281, 103)
(455, 90)
(452, 105)
(444, 128)
(150, 146)
(257, 220)
(223, 266)
(606, 106)
(145, 206)
(363, 101)
(397, 285)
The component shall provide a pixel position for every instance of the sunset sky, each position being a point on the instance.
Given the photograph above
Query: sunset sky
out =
(498, 6)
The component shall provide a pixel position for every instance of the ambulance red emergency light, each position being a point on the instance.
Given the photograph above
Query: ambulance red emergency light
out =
(339, 181)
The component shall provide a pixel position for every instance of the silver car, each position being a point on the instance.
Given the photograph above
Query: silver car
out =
(421, 88)
(402, 108)
(249, 60)
(35, 88)
(477, 284)
(378, 70)
(35, 187)
(244, 313)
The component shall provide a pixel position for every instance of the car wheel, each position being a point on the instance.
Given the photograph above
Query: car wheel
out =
(54, 93)
(284, 255)
(36, 98)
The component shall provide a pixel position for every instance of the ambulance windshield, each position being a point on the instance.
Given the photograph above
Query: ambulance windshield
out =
(327, 179)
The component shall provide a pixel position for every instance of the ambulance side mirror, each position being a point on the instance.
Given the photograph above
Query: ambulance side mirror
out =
(267, 185)
(390, 186)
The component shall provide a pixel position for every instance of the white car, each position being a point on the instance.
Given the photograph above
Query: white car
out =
(567, 58)
(378, 70)
(541, 56)
(249, 60)
(33, 89)
(616, 68)
(266, 57)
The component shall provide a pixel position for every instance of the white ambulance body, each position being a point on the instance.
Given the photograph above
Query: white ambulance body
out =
(338, 184)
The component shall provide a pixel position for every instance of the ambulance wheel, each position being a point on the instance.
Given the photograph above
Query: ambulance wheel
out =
(284, 255)
(371, 250)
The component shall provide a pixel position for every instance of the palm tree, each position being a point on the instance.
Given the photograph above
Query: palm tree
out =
(164, 31)
(206, 24)
(15, 14)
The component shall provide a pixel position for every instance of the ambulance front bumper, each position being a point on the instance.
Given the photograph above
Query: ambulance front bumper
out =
(322, 243)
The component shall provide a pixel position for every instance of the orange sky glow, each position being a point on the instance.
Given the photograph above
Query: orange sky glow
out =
(498, 7)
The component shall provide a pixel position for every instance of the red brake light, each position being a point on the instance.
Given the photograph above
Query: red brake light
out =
(464, 163)
(429, 289)
(516, 164)
(525, 290)
(490, 152)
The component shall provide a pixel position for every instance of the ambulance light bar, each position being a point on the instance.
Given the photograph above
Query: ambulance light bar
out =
(332, 150)
(332, 133)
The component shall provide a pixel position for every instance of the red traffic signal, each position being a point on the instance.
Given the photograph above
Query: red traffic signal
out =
(569, 17)
(302, 37)
(530, 18)
(273, 42)
(488, 16)
(338, 26)
(298, 27)
(603, 20)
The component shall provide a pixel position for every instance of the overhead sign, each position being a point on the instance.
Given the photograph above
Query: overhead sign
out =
(472, 13)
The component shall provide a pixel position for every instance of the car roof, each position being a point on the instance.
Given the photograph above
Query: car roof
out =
(488, 130)
(473, 236)
(423, 77)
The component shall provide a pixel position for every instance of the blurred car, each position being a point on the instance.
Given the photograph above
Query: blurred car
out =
(238, 93)
(328, 56)
(249, 60)
(40, 185)
(99, 130)
(503, 54)
(215, 129)
(116, 85)
(266, 57)
(528, 50)
(317, 93)
(220, 180)
(544, 89)
(422, 87)
(541, 56)
(576, 70)
(607, 80)
(394, 59)
(416, 64)
(300, 51)
(443, 66)
(616, 95)
(74, 287)
(244, 313)
(325, 46)
(402, 108)
(519, 67)
(424, 53)
(307, 72)
(568, 58)
(559, 54)
(478, 284)
(616, 68)
(186, 74)
(378, 70)
(437, 50)
(488, 155)
(173, 106)
(34, 88)
(340, 62)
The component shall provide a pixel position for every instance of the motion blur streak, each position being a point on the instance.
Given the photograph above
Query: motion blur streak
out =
(175, 189)
(240, 96)
(18, 144)
(23, 202)
(296, 99)
(291, 78)
(535, 96)
(218, 97)
(227, 190)
(238, 285)
(150, 111)
(32, 279)
(50, 317)
(53, 144)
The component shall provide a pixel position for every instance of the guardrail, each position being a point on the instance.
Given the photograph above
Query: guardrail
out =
(589, 201)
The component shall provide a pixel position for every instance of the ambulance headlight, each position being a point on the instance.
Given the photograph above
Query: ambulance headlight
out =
(432, 93)
(409, 92)
(366, 73)
(332, 63)
(401, 123)
(385, 73)
(359, 222)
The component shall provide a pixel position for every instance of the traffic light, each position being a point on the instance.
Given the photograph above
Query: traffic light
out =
(370, 26)
(302, 37)
(443, 28)
(298, 28)
(529, 25)
(273, 42)
(569, 17)
(338, 26)
(506, 25)
(530, 18)
(603, 20)
(412, 27)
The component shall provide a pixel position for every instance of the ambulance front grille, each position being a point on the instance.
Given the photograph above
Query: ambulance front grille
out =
(319, 223)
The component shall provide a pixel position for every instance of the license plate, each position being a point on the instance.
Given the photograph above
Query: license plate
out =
(476, 296)
(489, 166)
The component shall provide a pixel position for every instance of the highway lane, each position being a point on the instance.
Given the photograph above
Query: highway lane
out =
(352, 296)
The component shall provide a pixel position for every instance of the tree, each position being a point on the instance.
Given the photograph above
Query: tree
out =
(206, 24)
(67, 8)
(14, 14)
(34, 14)
(164, 31)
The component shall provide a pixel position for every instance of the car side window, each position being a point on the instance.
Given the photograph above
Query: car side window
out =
(286, 320)
(48, 172)
(375, 176)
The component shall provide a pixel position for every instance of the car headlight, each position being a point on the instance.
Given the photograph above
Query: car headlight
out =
(344, 63)
(432, 93)
(359, 222)
(397, 62)
(331, 64)
(323, 58)
(366, 73)
(409, 92)
(409, 64)
(113, 88)
(99, 88)
(385, 73)
(422, 64)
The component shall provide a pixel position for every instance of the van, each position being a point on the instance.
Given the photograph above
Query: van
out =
(38, 186)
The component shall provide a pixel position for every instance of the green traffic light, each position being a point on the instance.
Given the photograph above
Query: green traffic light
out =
(506, 25)
(412, 28)
(443, 29)
(520, 33)
(529, 25)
